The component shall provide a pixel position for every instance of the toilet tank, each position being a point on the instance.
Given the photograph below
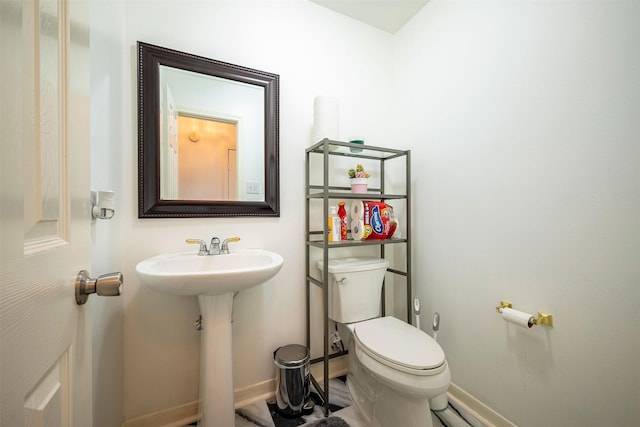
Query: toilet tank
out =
(355, 286)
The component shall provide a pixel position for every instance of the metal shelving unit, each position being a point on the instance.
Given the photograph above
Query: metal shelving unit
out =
(318, 238)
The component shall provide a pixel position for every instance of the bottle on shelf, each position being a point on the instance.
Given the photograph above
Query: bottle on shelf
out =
(342, 214)
(334, 225)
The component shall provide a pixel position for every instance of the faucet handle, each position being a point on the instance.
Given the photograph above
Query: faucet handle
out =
(225, 244)
(203, 245)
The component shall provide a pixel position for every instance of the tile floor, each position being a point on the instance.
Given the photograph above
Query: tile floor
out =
(264, 414)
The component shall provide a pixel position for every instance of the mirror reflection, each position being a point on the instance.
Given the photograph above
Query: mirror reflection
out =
(211, 138)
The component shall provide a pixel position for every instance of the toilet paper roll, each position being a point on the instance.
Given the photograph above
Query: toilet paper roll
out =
(357, 229)
(357, 210)
(326, 118)
(517, 317)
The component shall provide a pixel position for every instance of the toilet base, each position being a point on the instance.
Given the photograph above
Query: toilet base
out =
(387, 408)
(439, 402)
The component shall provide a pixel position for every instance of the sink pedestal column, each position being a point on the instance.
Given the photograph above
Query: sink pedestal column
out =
(216, 368)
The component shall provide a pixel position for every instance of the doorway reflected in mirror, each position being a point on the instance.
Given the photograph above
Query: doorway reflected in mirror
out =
(206, 160)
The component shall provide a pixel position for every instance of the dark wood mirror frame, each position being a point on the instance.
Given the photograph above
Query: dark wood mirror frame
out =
(150, 204)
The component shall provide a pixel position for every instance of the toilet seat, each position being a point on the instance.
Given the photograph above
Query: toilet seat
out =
(400, 346)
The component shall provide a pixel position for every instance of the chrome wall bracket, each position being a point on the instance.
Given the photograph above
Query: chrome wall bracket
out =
(102, 205)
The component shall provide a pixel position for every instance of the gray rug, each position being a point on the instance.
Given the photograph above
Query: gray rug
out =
(329, 422)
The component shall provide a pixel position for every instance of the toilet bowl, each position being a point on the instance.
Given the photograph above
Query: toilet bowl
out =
(397, 373)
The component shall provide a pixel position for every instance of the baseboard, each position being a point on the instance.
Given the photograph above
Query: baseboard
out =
(183, 415)
(466, 402)
(178, 416)
(337, 367)
(254, 393)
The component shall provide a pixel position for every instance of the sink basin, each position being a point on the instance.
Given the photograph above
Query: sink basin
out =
(187, 273)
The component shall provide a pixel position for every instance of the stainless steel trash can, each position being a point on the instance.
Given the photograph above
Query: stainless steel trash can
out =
(292, 379)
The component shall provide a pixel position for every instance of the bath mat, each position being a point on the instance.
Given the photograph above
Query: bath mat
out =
(329, 422)
(308, 419)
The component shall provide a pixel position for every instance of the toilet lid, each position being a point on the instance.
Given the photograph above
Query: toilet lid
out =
(399, 343)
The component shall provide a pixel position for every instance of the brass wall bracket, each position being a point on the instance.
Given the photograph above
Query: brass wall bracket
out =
(544, 319)
(503, 304)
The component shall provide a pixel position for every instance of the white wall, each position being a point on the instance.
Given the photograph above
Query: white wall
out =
(314, 51)
(524, 123)
(107, 237)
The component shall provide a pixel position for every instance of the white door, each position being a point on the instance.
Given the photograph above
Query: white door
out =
(45, 345)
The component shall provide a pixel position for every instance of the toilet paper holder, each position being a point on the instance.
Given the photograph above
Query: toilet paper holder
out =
(542, 319)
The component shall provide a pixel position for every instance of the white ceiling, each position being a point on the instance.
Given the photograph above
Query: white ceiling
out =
(388, 15)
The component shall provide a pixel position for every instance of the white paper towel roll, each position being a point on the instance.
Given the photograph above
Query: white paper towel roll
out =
(517, 317)
(326, 118)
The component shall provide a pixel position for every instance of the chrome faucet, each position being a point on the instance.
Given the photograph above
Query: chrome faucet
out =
(214, 246)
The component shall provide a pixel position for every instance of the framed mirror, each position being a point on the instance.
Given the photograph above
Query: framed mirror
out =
(208, 137)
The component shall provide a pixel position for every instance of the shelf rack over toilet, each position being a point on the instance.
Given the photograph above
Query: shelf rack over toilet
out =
(318, 238)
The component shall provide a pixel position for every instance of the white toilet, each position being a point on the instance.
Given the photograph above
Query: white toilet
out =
(397, 373)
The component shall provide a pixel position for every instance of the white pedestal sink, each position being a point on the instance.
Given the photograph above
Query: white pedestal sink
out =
(213, 279)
